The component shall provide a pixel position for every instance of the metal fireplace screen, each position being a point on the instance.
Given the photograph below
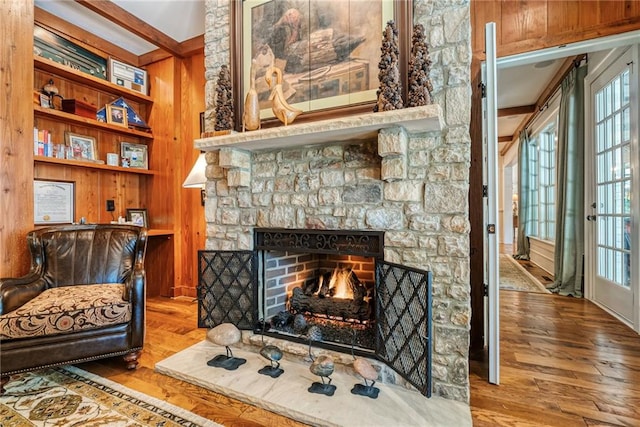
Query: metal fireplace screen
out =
(226, 291)
(404, 322)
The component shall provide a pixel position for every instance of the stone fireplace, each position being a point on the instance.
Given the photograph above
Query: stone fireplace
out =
(404, 174)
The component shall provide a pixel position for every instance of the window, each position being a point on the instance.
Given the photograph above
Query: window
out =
(547, 183)
(542, 184)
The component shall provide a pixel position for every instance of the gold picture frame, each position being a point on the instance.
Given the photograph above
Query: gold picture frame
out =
(81, 147)
(117, 115)
(53, 202)
(260, 23)
(134, 155)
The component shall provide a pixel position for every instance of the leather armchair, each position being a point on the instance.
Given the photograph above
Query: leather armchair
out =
(83, 299)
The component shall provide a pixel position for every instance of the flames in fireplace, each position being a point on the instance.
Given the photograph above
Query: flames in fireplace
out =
(341, 283)
(337, 294)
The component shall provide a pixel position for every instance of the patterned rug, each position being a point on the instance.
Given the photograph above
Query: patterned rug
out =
(513, 277)
(69, 396)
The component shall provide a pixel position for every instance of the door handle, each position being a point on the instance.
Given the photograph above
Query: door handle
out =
(591, 217)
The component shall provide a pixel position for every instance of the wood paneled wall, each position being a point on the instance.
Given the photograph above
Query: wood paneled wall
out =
(193, 232)
(16, 134)
(523, 26)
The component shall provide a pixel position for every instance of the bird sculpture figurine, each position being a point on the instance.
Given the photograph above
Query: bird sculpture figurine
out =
(225, 334)
(320, 48)
(368, 373)
(273, 354)
(322, 366)
(365, 369)
(281, 108)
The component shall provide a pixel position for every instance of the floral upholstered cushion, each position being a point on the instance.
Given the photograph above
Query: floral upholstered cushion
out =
(67, 309)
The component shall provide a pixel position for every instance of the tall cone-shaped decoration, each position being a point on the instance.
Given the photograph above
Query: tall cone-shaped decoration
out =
(420, 86)
(390, 92)
(224, 101)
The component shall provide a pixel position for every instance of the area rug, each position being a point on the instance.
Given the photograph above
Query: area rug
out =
(69, 396)
(514, 277)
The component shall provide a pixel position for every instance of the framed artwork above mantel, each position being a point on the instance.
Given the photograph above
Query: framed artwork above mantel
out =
(328, 52)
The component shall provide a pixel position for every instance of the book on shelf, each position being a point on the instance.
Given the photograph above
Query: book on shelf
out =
(43, 145)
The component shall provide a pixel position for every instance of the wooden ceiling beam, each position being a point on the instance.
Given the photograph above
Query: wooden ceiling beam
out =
(506, 138)
(516, 111)
(188, 48)
(124, 19)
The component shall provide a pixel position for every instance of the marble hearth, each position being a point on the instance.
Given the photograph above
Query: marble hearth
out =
(288, 395)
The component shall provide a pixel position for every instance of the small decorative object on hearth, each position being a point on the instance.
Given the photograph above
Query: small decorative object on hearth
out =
(321, 366)
(281, 108)
(366, 370)
(225, 334)
(314, 333)
(420, 86)
(299, 323)
(251, 112)
(224, 102)
(273, 354)
(390, 92)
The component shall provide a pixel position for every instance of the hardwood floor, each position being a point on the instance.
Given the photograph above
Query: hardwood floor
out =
(564, 362)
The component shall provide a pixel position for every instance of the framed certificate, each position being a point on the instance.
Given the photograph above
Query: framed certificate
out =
(128, 76)
(53, 202)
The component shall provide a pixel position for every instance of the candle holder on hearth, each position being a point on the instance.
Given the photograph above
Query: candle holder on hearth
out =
(323, 367)
(273, 354)
(368, 373)
(225, 334)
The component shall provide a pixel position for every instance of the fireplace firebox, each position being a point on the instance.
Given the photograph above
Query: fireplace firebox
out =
(329, 286)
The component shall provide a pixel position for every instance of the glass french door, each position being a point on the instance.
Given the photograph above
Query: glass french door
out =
(610, 217)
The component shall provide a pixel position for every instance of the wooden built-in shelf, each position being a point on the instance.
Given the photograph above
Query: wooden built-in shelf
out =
(349, 128)
(62, 116)
(91, 165)
(49, 66)
(159, 232)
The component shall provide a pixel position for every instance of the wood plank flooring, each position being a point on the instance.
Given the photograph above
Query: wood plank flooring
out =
(565, 362)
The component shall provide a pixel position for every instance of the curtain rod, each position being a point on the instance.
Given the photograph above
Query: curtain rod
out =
(577, 61)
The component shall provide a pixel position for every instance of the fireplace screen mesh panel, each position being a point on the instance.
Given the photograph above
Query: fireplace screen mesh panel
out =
(403, 337)
(226, 291)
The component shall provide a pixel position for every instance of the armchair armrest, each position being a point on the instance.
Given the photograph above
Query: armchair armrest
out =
(15, 292)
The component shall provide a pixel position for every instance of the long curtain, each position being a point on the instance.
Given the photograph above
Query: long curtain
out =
(569, 249)
(524, 196)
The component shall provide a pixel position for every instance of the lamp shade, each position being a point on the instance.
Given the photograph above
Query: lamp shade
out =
(197, 178)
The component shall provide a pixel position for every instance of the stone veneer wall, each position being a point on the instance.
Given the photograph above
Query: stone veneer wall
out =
(425, 215)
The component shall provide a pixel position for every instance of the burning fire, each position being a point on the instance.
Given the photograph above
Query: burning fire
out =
(339, 285)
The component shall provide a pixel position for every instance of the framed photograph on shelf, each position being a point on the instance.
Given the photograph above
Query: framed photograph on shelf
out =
(138, 217)
(135, 155)
(82, 147)
(53, 202)
(128, 76)
(117, 115)
(328, 52)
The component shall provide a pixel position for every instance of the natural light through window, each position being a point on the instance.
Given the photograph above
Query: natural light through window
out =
(543, 182)
(613, 145)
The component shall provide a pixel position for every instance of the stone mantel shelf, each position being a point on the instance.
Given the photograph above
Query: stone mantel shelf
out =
(362, 126)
